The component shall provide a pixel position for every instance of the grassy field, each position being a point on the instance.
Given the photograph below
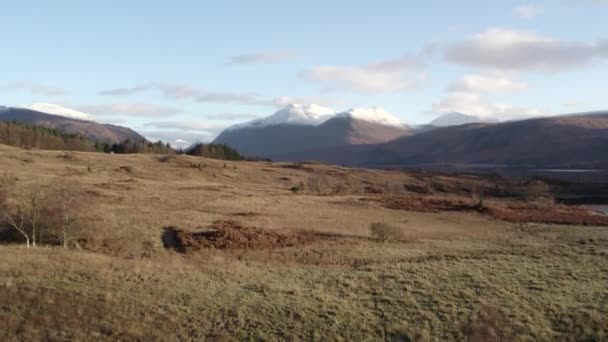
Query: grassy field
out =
(451, 275)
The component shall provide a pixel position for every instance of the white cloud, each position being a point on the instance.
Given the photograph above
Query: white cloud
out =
(33, 88)
(261, 57)
(386, 76)
(129, 109)
(527, 11)
(487, 83)
(514, 50)
(478, 105)
(471, 95)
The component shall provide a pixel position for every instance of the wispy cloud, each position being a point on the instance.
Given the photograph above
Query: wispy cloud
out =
(129, 109)
(236, 98)
(261, 57)
(33, 88)
(182, 91)
(125, 91)
(231, 116)
(391, 75)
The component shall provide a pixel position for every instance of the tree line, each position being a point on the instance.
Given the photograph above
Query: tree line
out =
(31, 136)
(214, 151)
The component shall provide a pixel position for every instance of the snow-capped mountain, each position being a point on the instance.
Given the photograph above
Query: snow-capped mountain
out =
(312, 129)
(314, 115)
(54, 109)
(293, 114)
(373, 115)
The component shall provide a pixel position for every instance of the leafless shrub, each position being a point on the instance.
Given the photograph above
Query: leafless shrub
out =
(383, 232)
(297, 188)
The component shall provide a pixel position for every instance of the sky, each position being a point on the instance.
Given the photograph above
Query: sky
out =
(184, 70)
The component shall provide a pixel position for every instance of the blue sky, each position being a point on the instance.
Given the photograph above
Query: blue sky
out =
(186, 69)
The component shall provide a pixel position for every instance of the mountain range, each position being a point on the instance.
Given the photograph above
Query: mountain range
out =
(372, 137)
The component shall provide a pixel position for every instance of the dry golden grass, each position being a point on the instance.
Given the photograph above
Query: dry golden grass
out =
(456, 276)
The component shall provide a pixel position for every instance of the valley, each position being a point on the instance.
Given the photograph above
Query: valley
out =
(179, 248)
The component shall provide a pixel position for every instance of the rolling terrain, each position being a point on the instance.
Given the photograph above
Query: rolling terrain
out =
(182, 248)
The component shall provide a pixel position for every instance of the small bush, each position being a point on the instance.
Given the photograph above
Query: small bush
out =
(297, 188)
(165, 158)
(478, 198)
(383, 232)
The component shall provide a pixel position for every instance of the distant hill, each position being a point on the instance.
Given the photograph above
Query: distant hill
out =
(571, 140)
(93, 130)
(455, 119)
(576, 141)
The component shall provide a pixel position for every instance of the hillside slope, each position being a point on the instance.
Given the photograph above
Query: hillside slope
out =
(90, 129)
(575, 140)
(579, 141)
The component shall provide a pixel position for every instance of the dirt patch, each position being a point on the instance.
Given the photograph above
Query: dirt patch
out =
(517, 212)
(554, 215)
(426, 204)
(245, 214)
(231, 234)
(127, 169)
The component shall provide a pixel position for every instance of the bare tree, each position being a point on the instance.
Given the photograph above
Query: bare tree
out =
(23, 209)
(34, 206)
(66, 210)
(15, 215)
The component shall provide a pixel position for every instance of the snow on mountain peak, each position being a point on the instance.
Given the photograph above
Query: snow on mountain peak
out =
(373, 115)
(295, 114)
(53, 109)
